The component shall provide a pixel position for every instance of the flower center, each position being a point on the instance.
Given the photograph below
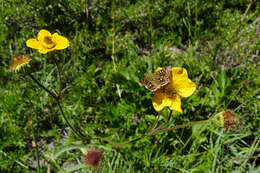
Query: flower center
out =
(169, 91)
(48, 43)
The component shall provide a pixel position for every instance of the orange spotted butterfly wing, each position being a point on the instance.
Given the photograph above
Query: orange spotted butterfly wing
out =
(157, 79)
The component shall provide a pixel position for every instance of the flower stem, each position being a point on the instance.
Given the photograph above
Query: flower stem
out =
(43, 87)
(36, 148)
(59, 77)
(155, 123)
(156, 131)
(164, 124)
(113, 55)
(59, 105)
(124, 143)
(78, 133)
(180, 126)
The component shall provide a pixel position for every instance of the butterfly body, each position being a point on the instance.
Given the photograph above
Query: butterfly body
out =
(157, 79)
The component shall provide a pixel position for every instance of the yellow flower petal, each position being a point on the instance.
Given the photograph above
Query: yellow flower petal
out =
(61, 42)
(178, 72)
(176, 104)
(44, 50)
(167, 101)
(33, 43)
(158, 100)
(185, 87)
(42, 34)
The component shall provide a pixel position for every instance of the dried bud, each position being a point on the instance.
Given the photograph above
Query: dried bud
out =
(24, 64)
(93, 158)
(30, 123)
(20, 62)
(226, 119)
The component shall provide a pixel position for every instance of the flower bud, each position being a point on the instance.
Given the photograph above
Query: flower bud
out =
(24, 64)
(20, 63)
(226, 119)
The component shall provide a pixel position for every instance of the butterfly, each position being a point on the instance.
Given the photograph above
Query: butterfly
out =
(157, 79)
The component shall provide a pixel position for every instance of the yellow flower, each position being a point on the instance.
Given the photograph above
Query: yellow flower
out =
(19, 62)
(47, 42)
(169, 95)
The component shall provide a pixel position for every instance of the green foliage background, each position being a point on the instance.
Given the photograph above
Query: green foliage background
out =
(217, 41)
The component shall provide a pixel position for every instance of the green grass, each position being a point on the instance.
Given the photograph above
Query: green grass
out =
(112, 45)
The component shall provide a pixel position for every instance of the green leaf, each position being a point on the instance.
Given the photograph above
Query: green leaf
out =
(68, 148)
(73, 168)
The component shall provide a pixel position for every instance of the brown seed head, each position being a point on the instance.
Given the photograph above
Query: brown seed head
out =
(93, 158)
(230, 120)
(226, 119)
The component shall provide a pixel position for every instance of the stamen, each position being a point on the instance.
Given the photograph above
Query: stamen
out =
(48, 43)
(48, 40)
(169, 91)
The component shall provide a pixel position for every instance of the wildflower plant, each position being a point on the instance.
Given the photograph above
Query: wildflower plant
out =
(155, 86)
(167, 84)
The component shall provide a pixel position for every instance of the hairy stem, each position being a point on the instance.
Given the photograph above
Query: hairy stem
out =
(78, 133)
(43, 87)
(180, 126)
(156, 131)
(59, 105)
(164, 124)
(59, 77)
(155, 123)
